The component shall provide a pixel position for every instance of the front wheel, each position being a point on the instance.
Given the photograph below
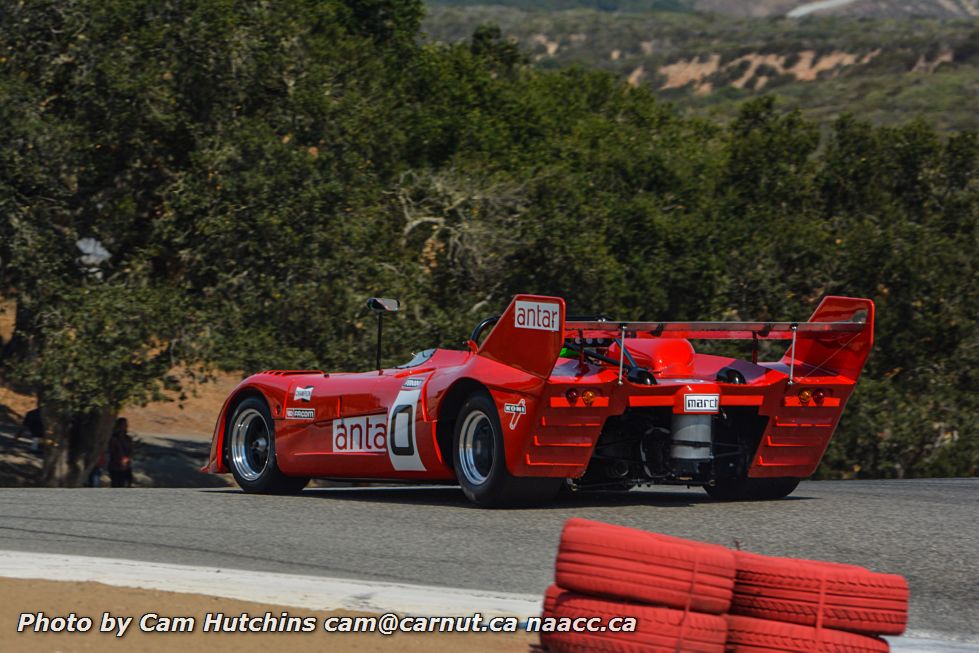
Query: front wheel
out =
(251, 451)
(752, 489)
(480, 462)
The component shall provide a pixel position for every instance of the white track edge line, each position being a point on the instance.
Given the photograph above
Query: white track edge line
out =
(310, 592)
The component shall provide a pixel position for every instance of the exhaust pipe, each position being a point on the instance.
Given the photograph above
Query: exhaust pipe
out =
(692, 445)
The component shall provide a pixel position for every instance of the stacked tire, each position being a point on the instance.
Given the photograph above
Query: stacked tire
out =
(693, 597)
(677, 590)
(786, 604)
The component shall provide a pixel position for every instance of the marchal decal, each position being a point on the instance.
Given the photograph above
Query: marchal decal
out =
(412, 382)
(303, 394)
(300, 413)
(701, 403)
(542, 316)
(516, 410)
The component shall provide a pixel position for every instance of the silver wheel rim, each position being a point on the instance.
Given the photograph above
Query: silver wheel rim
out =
(250, 437)
(477, 449)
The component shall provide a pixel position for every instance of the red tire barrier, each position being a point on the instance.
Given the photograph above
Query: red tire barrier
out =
(658, 630)
(749, 635)
(623, 563)
(824, 594)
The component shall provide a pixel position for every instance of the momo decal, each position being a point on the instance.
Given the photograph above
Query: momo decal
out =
(303, 394)
(542, 316)
(367, 434)
(516, 410)
(300, 413)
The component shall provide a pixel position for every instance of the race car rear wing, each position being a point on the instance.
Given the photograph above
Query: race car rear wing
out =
(837, 337)
(709, 330)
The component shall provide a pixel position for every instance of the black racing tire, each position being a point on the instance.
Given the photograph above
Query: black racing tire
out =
(480, 462)
(250, 451)
(752, 489)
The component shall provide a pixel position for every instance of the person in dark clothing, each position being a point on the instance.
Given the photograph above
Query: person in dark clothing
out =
(120, 455)
(33, 428)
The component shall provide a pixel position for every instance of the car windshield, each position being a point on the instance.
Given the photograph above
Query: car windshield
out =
(418, 358)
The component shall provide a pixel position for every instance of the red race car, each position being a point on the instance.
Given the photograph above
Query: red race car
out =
(541, 401)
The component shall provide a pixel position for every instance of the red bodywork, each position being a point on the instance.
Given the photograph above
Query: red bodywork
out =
(396, 423)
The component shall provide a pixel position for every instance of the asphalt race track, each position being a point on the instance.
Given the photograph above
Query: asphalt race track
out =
(927, 530)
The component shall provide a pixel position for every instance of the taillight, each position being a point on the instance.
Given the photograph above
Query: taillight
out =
(818, 396)
(805, 396)
(588, 396)
(572, 396)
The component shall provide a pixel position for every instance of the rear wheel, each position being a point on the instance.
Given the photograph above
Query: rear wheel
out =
(752, 489)
(480, 463)
(251, 451)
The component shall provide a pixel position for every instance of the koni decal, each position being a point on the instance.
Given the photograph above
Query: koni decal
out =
(515, 410)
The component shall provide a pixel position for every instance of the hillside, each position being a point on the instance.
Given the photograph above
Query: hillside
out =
(885, 69)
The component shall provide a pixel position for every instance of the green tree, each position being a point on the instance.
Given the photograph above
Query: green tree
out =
(154, 132)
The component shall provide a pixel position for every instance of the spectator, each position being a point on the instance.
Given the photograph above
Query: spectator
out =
(95, 476)
(120, 455)
(33, 428)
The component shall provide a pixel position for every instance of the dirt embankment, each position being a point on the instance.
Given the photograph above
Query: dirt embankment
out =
(192, 418)
(758, 69)
(172, 437)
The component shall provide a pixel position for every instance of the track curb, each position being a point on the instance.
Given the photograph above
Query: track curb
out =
(310, 592)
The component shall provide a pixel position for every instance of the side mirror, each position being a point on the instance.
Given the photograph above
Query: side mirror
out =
(383, 305)
(380, 306)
